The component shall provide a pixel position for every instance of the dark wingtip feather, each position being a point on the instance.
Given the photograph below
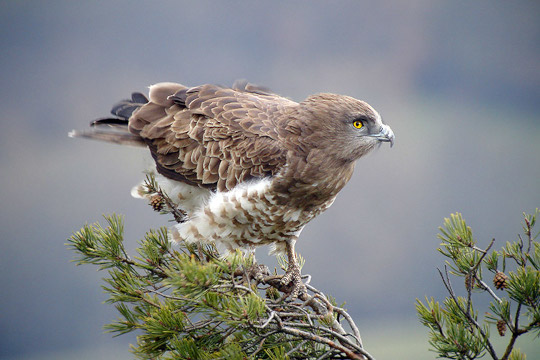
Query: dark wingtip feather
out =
(125, 108)
(139, 98)
(110, 122)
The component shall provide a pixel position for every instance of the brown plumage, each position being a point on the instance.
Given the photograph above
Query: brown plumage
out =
(249, 167)
(211, 136)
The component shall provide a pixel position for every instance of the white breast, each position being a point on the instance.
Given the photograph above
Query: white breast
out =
(244, 217)
(241, 218)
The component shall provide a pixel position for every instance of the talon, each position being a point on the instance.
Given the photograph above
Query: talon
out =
(293, 278)
(258, 272)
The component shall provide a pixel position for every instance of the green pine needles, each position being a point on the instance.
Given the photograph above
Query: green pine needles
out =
(184, 301)
(456, 330)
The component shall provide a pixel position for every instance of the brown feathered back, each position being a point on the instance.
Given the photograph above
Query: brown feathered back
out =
(212, 136)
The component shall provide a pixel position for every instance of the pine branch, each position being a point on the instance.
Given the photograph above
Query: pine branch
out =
(466, 312)
(188, 302)
(152, 188)
(456, 332)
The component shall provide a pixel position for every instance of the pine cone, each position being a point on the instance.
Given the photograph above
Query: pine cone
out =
(157, 202)
(501, 327)
(500, 280)
(469, 282)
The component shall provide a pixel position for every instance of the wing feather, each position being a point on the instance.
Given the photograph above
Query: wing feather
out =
(212, 136)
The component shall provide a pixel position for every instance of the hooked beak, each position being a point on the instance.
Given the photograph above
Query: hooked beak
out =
(386, 135)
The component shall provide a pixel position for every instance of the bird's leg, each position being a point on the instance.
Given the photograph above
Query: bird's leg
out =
(292, 275)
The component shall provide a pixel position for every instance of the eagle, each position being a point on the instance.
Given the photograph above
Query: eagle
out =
(246, 166)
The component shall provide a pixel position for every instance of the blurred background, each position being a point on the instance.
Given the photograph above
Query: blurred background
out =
(458, 82)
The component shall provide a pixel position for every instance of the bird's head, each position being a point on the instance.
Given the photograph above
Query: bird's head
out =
(344, 126)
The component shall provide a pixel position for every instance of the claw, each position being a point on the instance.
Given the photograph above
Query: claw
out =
(293, 278)
(258, 272)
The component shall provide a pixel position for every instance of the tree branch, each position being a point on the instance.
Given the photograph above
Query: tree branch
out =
(448, 286)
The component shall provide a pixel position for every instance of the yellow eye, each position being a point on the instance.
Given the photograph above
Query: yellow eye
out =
(357, 124)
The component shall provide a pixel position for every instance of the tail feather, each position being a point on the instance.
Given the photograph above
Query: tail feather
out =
(122, 138)
(115, 130)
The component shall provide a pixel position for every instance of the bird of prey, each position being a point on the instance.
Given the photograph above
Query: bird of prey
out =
(247, 166)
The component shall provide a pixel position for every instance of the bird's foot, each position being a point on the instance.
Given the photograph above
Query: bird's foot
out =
(293, 280)
(258, 272)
